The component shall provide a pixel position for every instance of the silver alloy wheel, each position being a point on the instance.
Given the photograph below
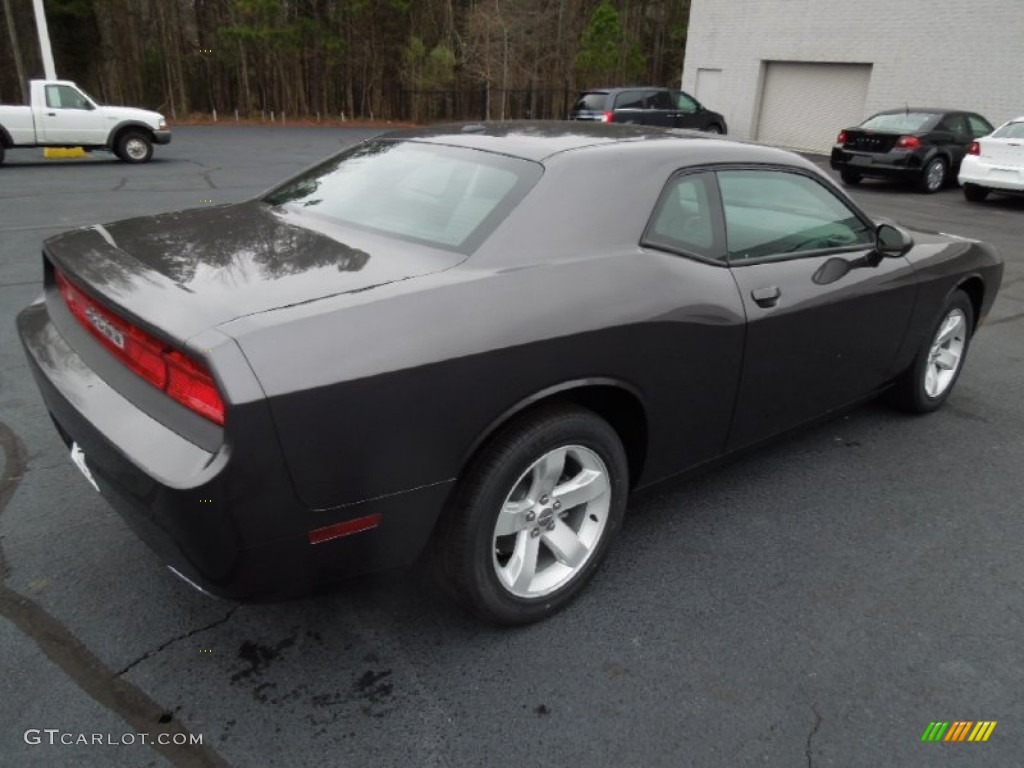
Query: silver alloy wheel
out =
(936, 174)
(551, 521)
(946, 353)
(136, 148)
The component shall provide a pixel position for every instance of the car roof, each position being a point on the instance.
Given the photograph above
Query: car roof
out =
(538, 140)
(627, 88)
(932, 110)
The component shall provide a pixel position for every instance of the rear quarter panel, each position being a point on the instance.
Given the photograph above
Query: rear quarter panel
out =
(386, 390)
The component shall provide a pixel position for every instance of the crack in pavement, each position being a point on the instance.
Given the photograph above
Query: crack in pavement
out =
(173, 640)
(80, 664)
(810, 736)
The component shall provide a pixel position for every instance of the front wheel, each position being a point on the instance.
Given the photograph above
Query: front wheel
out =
(975, 194)
(714, 128)
(1, 154)
(534, 516)
(134, 147)
(933, 177)
(927, 384)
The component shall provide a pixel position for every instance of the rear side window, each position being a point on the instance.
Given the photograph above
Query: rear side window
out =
(955, 124)
(446, 197)
(684, 220)
(776, 213)
(660, 100)
(902, 122)
(590, 102)
(630, 100)
(1010, 131)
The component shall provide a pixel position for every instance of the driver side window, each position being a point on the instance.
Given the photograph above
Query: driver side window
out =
(979, 127)
(64, 97)
(685, 103)
(781, 214)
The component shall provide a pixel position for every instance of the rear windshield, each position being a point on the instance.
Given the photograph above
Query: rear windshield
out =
(901, 122)
(447, 197)
(590, 102)
(1010, 131)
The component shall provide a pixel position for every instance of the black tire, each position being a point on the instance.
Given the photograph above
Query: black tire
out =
(933, 175)
(911, 390)
(850, 178)
(714, 128)
(1, 154)
(974, 193)
(469, 551)
(134, 147)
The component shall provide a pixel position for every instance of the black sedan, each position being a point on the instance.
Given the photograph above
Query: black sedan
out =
(466, 340)
(917, 144)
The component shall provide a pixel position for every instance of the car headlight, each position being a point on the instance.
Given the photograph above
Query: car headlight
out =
(162, 125)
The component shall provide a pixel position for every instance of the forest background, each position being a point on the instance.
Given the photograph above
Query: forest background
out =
(404, 60)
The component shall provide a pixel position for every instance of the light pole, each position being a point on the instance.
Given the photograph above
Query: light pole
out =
(44, 41)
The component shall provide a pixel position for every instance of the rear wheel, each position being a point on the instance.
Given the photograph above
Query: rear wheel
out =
(927, 384)
(714, 128)
(134, 147)
(850, 177)
(974, 193)
(534, 516)
(1, 153)
(933, 177)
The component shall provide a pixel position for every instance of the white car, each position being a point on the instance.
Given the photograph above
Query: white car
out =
(995, 163)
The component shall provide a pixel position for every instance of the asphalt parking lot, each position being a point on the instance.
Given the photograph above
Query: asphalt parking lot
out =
(815, 603)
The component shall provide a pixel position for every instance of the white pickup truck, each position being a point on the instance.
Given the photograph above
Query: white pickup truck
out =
(63, 115)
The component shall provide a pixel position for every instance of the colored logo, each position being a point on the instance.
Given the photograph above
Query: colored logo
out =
(959, 730)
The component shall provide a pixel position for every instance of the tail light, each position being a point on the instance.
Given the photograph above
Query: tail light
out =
(608, 117)
(908, 142)
(974, 149)
(841, 138)
(186, 380)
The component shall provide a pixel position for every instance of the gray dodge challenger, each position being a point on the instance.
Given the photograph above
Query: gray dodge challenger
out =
(474, 342)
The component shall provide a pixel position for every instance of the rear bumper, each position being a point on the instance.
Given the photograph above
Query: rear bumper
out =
(973, 170)
(162, 137)
(227, 519)
(897, 163)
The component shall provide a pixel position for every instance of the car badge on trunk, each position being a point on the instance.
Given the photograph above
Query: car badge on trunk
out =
(101, 324)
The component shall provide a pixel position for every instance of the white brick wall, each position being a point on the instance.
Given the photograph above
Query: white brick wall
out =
(967, 54)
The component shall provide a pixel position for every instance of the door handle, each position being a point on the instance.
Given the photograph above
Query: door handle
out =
(766, 297)
(51, 114)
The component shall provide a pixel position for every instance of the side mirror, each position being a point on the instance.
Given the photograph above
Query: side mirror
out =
(891, 241)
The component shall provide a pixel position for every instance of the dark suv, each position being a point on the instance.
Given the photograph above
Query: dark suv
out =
(646, 106)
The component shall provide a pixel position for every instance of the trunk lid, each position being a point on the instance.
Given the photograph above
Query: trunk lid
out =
(1009, 152)
(184, 272)
(870, 141)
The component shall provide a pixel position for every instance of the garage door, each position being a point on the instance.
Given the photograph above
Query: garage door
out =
(804, 105)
